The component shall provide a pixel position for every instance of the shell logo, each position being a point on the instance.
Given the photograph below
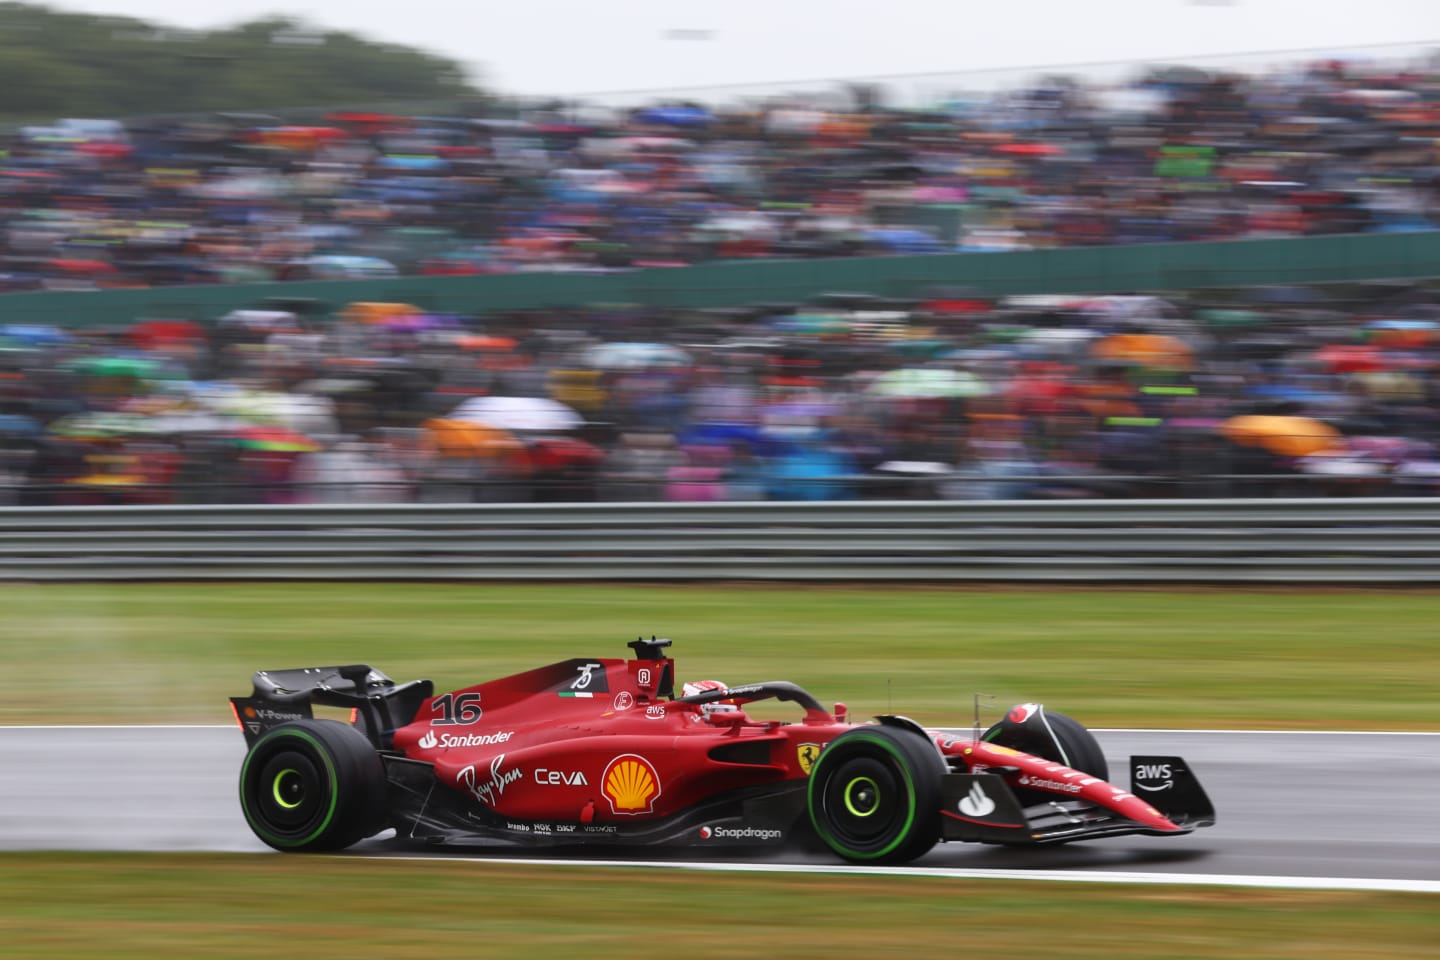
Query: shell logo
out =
(631, 784)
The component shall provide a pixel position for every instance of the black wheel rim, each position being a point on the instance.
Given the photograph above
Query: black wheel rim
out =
(863, 803)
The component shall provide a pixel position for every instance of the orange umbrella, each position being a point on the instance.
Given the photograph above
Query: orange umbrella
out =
(364, 311)
(1148, 349)
(461, 438)
(1287, 436)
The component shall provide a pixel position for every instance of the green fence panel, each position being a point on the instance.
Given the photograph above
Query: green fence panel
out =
(1082, 270)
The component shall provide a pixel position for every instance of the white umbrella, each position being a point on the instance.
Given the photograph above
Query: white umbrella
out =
(518, 413)
(928, 382)
(635, 356)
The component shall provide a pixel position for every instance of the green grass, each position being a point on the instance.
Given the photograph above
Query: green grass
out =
(1272, 658)
(80, 905)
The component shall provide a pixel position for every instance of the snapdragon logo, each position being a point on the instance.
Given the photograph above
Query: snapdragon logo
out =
(763, 834)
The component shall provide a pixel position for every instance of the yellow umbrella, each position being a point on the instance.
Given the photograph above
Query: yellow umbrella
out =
(1287, 436)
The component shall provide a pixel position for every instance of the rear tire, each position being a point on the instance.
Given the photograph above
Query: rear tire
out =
(874, 795)
(313, 785)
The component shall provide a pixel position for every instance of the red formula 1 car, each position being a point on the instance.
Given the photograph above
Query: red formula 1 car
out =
(601, 752)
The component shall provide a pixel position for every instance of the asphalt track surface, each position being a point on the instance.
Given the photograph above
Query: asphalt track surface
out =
(1328, 806)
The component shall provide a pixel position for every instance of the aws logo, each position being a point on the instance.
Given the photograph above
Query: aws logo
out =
(631, 784)
(1154, 772)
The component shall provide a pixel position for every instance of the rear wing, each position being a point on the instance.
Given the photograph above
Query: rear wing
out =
(379, 704)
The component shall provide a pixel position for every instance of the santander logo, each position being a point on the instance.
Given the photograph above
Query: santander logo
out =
(428, 741)
(977, 802)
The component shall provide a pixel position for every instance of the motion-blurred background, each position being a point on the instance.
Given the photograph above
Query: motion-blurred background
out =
(275, 262)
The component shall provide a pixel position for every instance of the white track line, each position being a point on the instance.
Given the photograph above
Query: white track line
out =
(951, 873)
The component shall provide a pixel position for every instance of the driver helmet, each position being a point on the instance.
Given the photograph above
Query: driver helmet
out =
(702, 686)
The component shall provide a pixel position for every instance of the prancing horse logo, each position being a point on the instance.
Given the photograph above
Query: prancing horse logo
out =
(807, 753)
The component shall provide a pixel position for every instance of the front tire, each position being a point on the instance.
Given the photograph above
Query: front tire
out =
(1067, 742)
(312, 785)
(874, 795)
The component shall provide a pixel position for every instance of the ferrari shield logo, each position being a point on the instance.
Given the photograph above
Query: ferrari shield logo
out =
(807, 753)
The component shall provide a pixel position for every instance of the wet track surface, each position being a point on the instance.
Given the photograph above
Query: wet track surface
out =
(1295, 805)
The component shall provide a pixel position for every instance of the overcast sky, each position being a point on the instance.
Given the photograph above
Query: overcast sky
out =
(573, 46)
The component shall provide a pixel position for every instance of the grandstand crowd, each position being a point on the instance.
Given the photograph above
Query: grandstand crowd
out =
(1269, 391)
(1176, 154)
(1265, 392)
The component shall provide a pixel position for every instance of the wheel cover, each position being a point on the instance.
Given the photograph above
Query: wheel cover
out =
(288, 788)
(862, 797)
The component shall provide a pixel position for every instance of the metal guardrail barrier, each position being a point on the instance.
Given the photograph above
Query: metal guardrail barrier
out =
(1374, 541)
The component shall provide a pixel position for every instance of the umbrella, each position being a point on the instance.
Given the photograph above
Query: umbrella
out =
(560, 453)
(674, 116)
(635, 356)
(101, 426)
(1392, 386)
(1350, 358)
(536, 414)
(1403, 334)
(813, 323)
(1148, 349)
(730, 433)
(900, 240)
(921, 349)
(37, 334)
(149, 334)
(274, 439)
(140, 368)
(485, 342)
(82, 267)
(18, 425)
(928, 382)
(1287, 436)
(1276, 391)
(1057, 341)
(465, 438)
(336, 266)
(1030, 149)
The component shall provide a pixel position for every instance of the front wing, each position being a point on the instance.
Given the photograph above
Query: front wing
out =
(984, 808)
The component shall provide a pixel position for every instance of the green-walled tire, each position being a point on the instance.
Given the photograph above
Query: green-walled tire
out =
(313, 785)
(874, 795)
